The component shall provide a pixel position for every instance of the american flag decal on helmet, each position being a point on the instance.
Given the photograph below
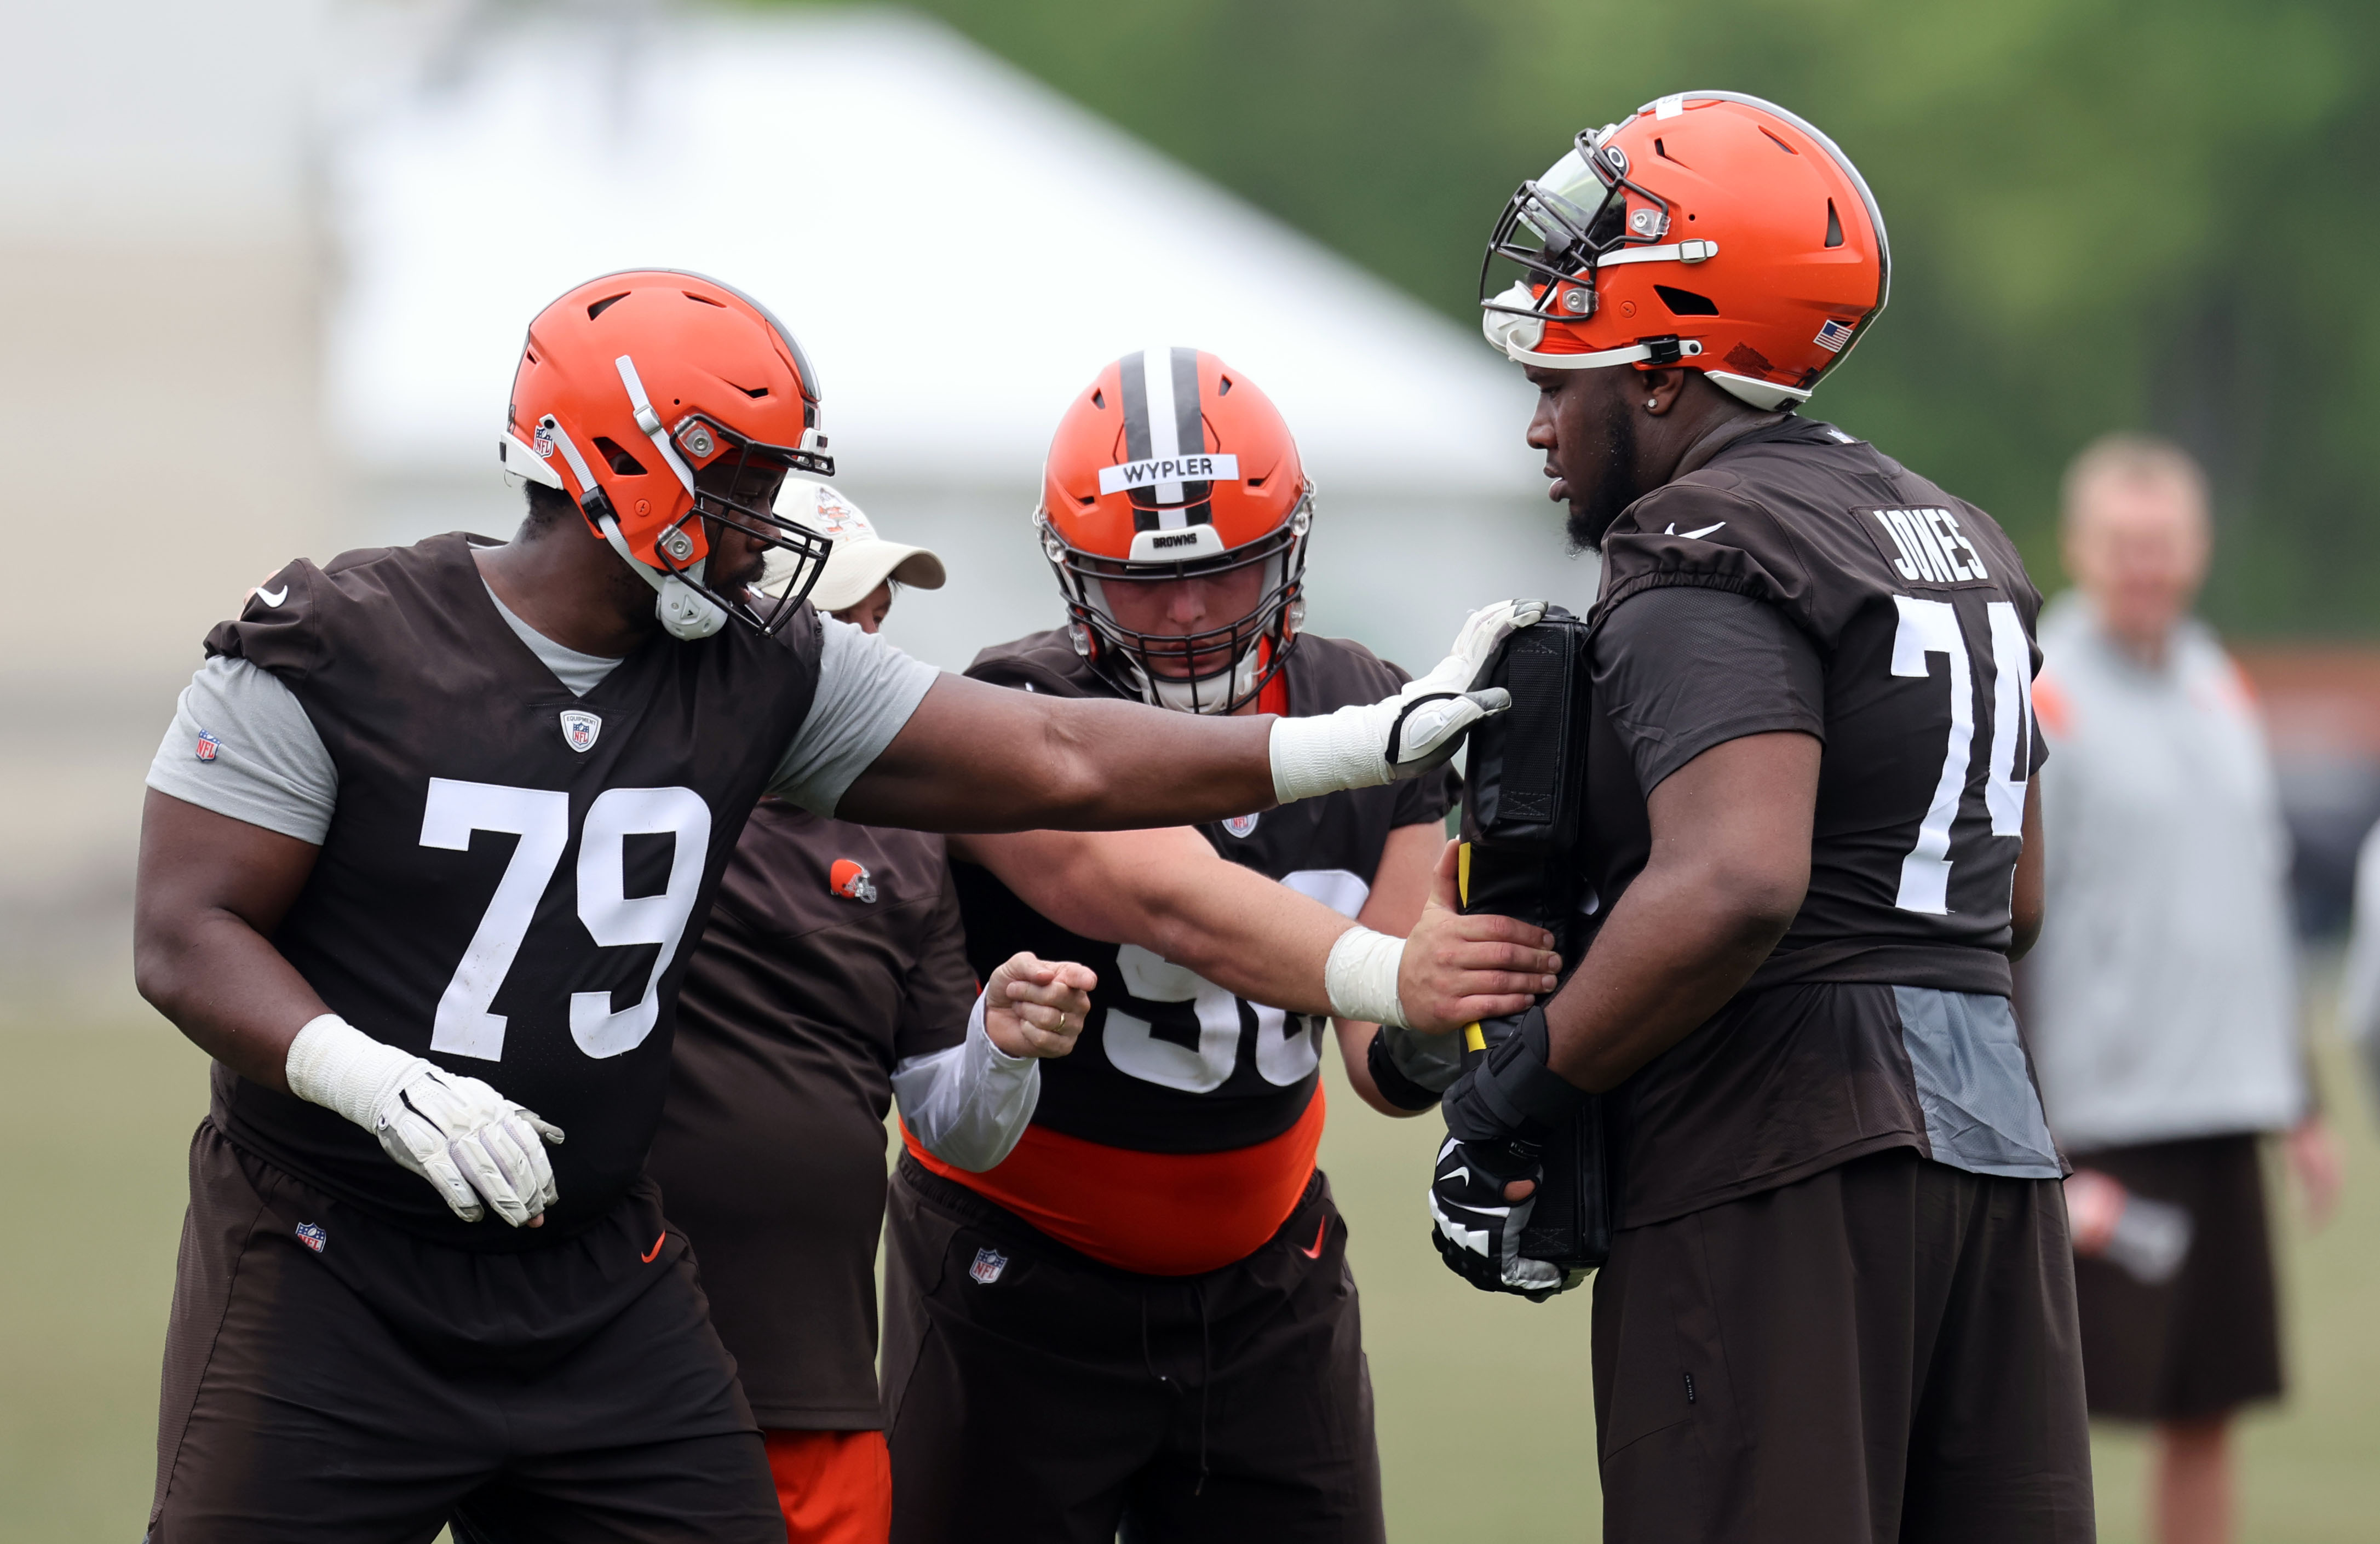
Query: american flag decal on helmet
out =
(1834, 336)
(1162, 422)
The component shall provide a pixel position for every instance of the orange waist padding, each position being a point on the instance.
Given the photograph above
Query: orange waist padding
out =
(1159, 1214)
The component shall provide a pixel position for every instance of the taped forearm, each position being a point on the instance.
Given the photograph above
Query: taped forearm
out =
(1361, 977)
(334, 1065)
(969, 1104)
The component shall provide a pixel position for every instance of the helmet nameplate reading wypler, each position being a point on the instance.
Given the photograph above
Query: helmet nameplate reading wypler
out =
(1169, 468)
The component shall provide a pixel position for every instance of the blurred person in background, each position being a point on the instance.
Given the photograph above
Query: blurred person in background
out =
(833, 977)
(2164, 1023)
(2358, 996)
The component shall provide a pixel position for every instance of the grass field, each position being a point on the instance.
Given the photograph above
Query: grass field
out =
(1486, 1416)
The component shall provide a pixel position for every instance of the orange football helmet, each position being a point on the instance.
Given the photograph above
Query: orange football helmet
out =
(640, 380)
(1710, 230)
(1173, 465)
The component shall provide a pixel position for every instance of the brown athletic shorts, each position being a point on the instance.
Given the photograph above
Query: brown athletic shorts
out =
(330, 1377)
(1036, 1394)
(2209, 1339)
(1884, 1351)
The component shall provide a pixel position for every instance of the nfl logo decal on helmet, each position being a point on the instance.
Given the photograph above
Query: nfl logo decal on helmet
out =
(208, 746)
(851, 881)
(988, 1264)
(579, 728)
(311, 1235)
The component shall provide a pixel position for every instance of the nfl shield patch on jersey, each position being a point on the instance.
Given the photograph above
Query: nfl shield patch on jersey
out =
(1242, 826)
(579, 728)
(988, 1264)
(311, 1235)
(208, 746)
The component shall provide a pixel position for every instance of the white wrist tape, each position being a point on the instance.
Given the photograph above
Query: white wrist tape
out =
(1361, 976)
(1327, 753)
(334, 1065)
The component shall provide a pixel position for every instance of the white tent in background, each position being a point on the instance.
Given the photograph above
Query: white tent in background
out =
(958, 249)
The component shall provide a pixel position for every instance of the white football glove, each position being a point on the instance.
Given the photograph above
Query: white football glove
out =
(479, 1148)
(1405, 735)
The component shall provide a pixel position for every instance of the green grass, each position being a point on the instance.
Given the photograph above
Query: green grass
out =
(1486, 1408)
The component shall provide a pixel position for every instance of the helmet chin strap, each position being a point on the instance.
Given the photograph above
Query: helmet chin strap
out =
(685, 612)
(1184, 697)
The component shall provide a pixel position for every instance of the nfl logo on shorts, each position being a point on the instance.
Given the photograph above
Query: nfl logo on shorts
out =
(988, 1264)
(579, 729)
(312, 1236)
(208, 746)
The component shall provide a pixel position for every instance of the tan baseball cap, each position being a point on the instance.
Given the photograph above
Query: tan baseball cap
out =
(862, 559)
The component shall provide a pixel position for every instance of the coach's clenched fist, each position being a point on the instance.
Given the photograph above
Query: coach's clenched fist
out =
(1036, 1007)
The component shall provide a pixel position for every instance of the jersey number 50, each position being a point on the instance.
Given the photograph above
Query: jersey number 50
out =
(540, 818)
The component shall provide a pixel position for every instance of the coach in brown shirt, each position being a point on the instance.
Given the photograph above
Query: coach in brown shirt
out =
(834, 973)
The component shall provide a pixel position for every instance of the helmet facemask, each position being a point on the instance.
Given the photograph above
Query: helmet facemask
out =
(792, 555)
(1216, 670)
(1556, 226)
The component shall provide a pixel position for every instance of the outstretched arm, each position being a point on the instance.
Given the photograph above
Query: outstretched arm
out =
(980, 757)
(1169, 893)
(985, 759)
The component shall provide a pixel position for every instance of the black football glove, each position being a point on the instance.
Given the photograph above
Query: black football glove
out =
(1477, 1231)
(1497, 1115)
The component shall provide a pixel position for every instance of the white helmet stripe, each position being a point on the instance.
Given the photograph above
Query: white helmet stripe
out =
(1164, 428)
(650, 421)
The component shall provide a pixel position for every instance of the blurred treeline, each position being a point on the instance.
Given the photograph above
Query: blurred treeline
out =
(2105, 213)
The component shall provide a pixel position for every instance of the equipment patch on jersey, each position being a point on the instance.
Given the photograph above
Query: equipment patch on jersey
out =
(209, 747)
(1924, 546)
(311, 1235)
(1241, 825)
(579, 728)
(1834, 336)
(851, 881)
(988, 1264)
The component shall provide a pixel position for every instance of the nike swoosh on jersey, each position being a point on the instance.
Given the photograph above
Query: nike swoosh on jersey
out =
(1321, 1228)
(657, 1247)
(1692, 535)
(272, 597)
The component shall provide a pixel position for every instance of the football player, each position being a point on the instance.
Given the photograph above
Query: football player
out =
(1839, 1303)
(421, 861)
(1144, 1317)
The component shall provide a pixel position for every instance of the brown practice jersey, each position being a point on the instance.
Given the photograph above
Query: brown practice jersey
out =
(1797, 578)
(513, 875)
(834, 954)
(1172, 1070)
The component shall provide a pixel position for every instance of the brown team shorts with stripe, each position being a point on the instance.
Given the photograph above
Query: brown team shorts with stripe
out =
(1884, 1351)
(1035, 1395)
(330, 1377)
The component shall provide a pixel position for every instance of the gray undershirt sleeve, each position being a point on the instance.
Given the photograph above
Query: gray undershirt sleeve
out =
(268, 766)
(867, 691)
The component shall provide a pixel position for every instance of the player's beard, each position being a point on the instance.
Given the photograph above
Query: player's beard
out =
(1610, 483)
